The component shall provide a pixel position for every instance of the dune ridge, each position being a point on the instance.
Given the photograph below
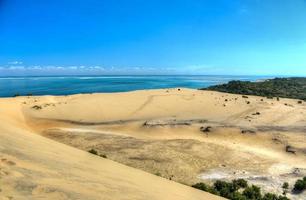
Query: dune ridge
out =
(182, 134)
(35, 167)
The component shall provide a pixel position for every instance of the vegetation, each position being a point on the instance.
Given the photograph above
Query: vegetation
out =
(279, 87)
(285, 187)
(93, 151)
(36, 107)
(300, 185)
(103, 156)
(237, 190)
(158, 174)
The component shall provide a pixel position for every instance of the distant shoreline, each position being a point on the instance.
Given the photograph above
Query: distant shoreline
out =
(67, 85)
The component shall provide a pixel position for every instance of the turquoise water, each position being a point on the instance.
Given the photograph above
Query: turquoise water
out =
(64, 85)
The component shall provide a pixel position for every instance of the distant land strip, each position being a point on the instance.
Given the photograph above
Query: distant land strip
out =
(294, 88)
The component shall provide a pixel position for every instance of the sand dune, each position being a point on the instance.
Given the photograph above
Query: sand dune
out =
(35, 167)
(158, 131)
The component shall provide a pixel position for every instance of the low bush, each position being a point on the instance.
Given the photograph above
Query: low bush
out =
(93, 151)
(300, 185)
(36, 107)
(238, 189)
(103, 156)
(252, 192)
(240, 183)
(285, 185)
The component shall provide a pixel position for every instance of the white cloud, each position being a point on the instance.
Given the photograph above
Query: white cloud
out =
(15, 62)
(101, 70)
(16, 67)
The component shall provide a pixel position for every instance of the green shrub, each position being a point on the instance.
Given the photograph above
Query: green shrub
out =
(240, 183)
(238, 196)
(103, 156)
(231, 190)
(158, 174)
(252, 193)
(270, 196)
(93, 151)
(283, 198)
(225, 189)
(299, 186)
(200, 186)
(206, 188)
(285, 185)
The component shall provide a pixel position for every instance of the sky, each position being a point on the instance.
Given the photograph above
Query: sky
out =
(200, 37)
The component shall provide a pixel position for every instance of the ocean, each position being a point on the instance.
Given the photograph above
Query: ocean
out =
(65, 85)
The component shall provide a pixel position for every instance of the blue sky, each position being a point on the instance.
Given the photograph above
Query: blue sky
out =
(239, 37)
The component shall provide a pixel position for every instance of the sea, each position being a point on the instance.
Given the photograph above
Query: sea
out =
(66, 85)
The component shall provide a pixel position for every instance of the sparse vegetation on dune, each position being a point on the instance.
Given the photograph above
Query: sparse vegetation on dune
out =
(238, 189)
(279, 87)
(300, 185)
(93, 151)
(36, 107)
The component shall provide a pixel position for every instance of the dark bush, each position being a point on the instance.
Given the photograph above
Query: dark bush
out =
(224, 188)
(283, 198)
(238, 189)
(238, 196)
(200, 186)
(240, 183)
(205, 129)
(270, 196)
(103, 156)
(299, 186)
(36, 107)
(285, 185)
(206, 188)
(252, 192)
(93, 151)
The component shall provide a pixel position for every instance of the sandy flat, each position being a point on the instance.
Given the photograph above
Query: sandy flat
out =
(157, 131)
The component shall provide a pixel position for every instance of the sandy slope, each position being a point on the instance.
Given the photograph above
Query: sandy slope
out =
(34, 167)
(159, 131)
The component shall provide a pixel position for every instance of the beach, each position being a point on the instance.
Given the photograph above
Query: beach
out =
(152, 143)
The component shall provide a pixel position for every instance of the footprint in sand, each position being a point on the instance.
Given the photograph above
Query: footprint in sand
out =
(4, 163)
(7, 162)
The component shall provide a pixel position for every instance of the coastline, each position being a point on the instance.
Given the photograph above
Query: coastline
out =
(67, 85)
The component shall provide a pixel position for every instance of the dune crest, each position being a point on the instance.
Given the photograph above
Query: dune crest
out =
(35, 167)
(184, 135)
